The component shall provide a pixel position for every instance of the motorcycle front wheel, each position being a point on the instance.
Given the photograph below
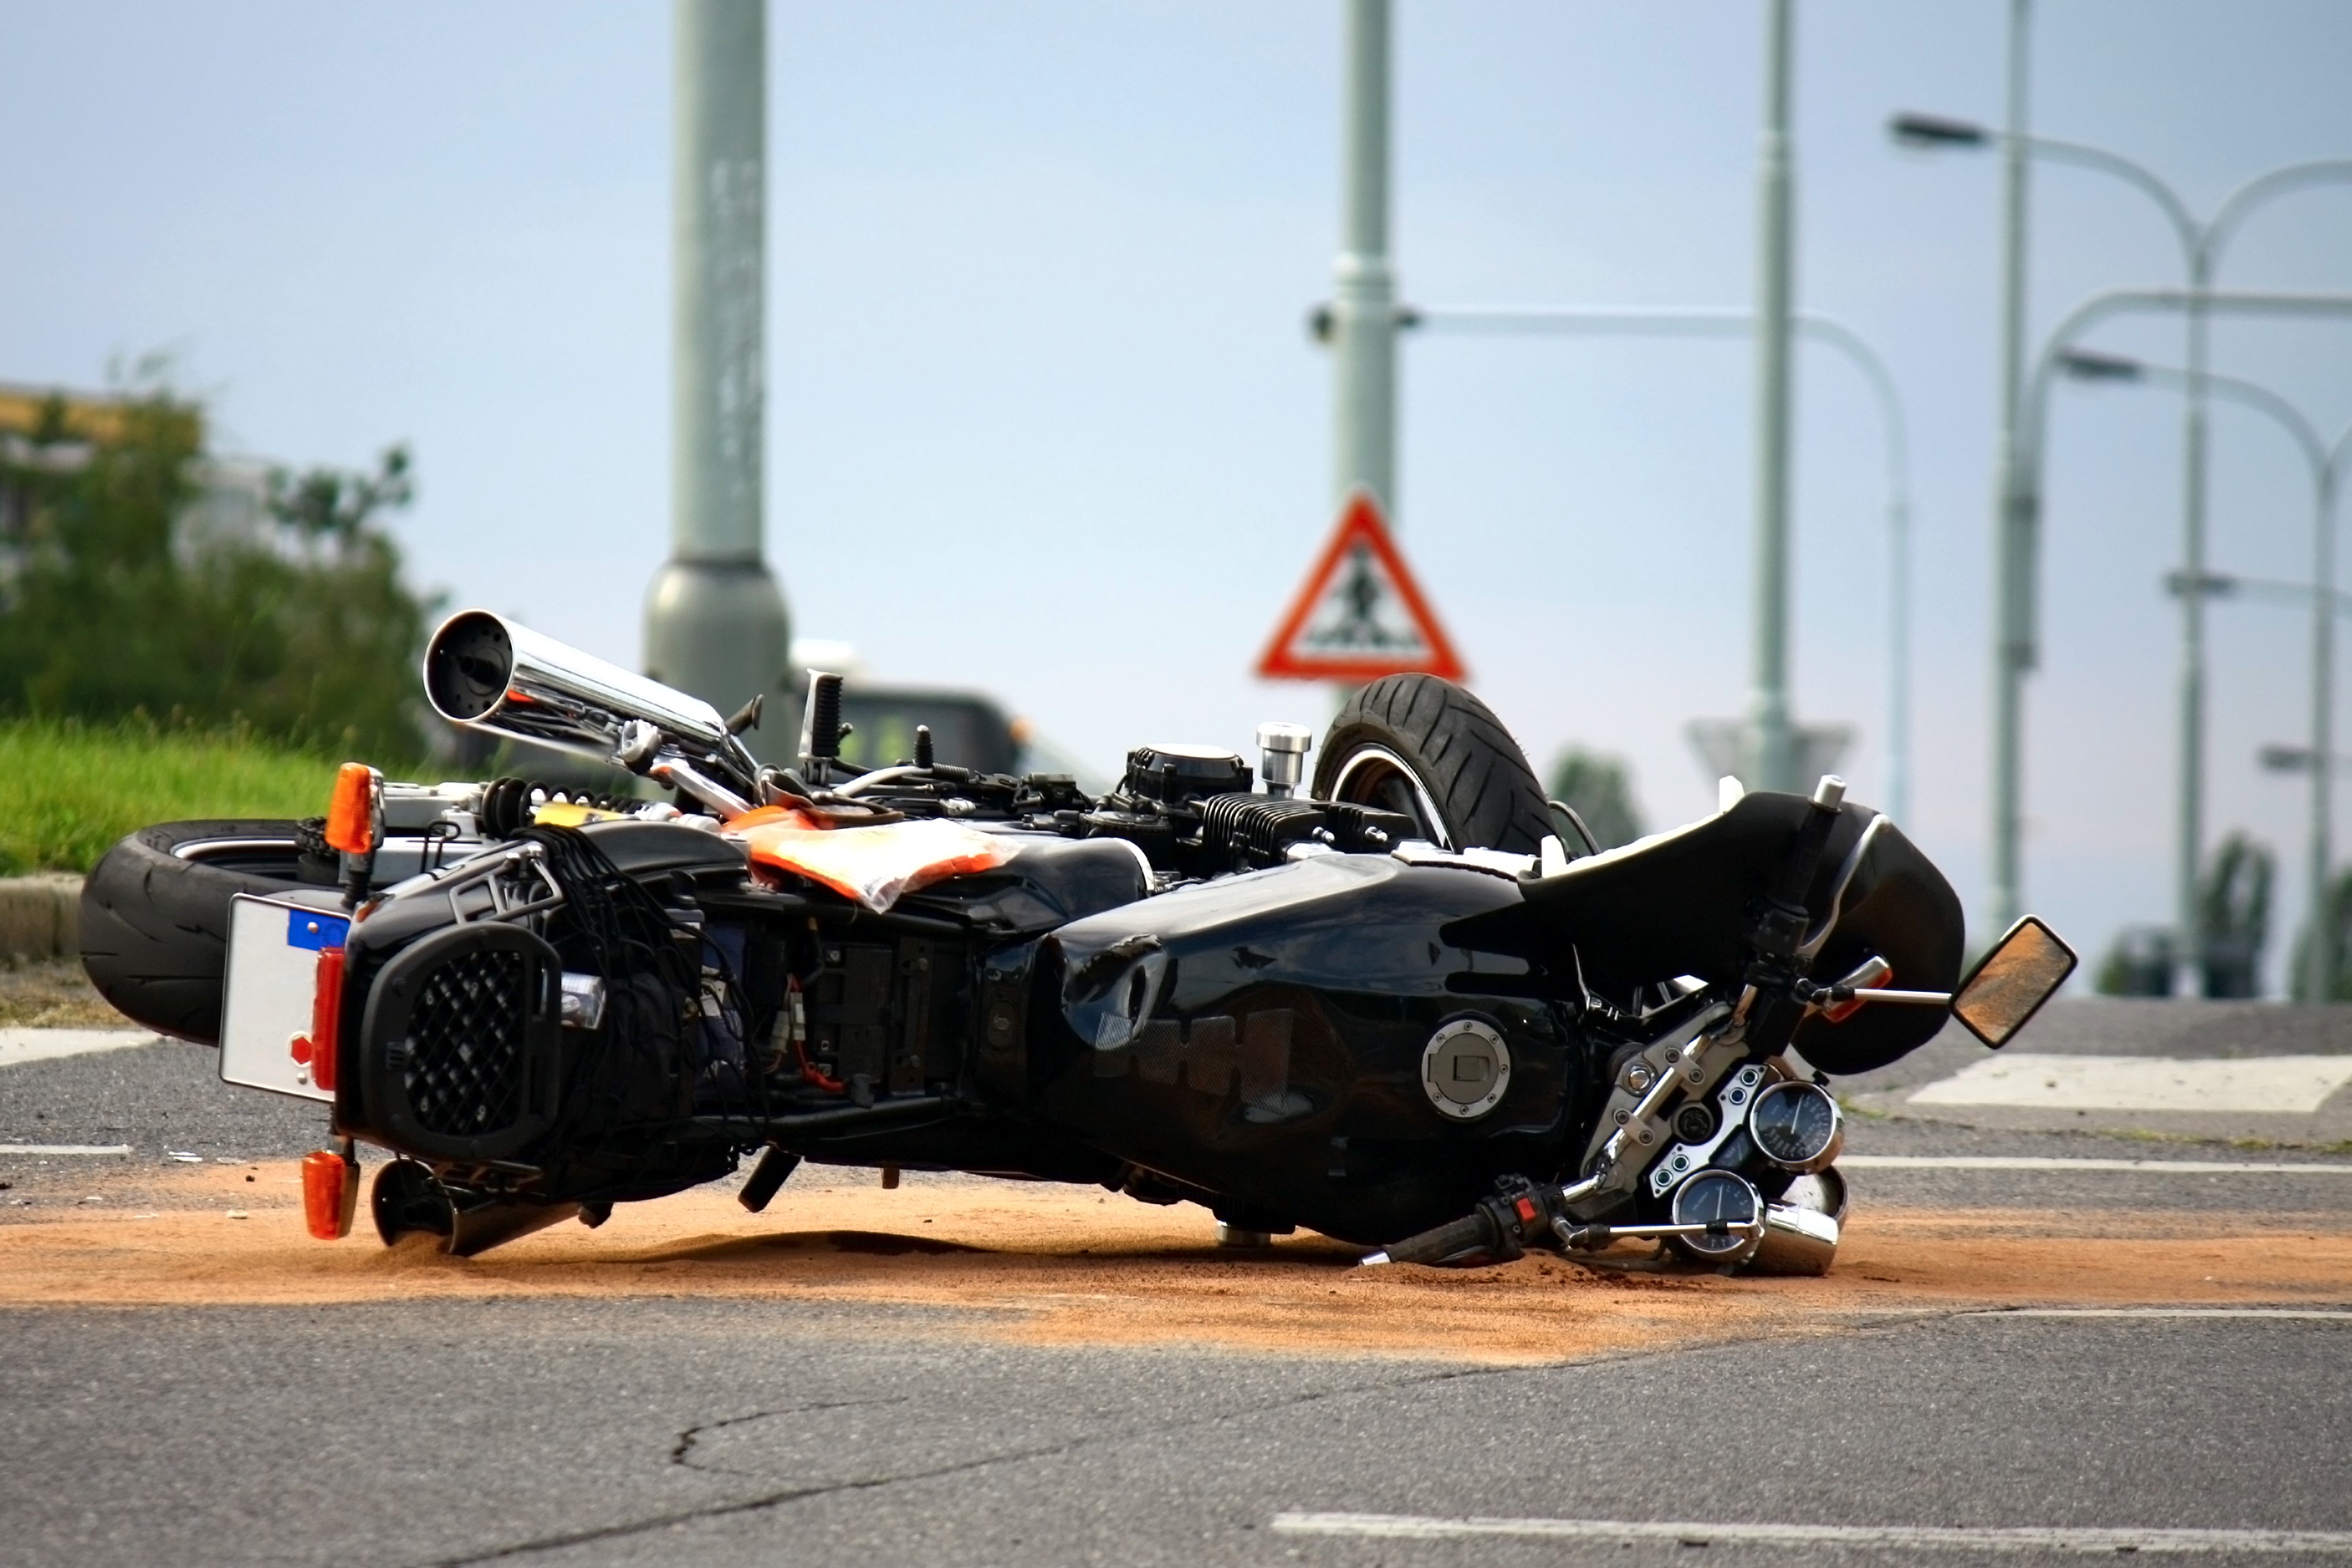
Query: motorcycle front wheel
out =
(1426, 748)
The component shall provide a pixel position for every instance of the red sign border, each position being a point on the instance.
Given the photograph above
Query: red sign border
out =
(1360, 519)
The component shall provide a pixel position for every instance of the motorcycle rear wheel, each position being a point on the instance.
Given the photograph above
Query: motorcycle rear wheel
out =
(1428, 748)
(154, 915)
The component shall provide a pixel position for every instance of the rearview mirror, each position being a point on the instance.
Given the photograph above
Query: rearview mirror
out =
(2023, 970)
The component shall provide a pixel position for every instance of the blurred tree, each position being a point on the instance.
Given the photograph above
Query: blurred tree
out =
(2335, 930)
(300, 628)
(2138, 965)
(2235, 906)
(1600, 790)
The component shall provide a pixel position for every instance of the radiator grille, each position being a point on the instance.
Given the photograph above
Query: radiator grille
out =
(465, 1063)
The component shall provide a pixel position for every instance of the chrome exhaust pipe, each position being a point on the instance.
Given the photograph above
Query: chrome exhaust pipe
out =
(484, 672)
(409, 1200)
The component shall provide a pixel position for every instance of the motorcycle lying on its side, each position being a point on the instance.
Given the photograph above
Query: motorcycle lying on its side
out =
(1407, 1003)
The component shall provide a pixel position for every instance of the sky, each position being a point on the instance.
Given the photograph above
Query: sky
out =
(1043, 415)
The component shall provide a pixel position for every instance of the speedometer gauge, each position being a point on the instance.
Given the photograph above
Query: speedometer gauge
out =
(1796, 1126)
(1724, 1202)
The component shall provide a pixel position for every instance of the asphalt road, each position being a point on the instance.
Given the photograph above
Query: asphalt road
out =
(676, 1432)
(687, 1432)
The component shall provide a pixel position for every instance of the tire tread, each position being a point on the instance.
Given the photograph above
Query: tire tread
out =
(1475, 773)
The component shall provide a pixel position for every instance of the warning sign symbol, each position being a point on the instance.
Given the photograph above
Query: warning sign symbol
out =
(1359, 615)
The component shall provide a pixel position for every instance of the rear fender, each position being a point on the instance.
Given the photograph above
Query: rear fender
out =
(1680, 904)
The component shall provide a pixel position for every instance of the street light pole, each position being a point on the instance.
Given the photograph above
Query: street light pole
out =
(1363, 304)
(2319, 956)
(2189, 847)
(1703, 321)
(715, 622)
(2012, 528)
(2201, 244)
(2024, 499)
(1768, 710)
(2323, 461)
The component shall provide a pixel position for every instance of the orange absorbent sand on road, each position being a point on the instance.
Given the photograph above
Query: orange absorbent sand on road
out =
(1071, 1265)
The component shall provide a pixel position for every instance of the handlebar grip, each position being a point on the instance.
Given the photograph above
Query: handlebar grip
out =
(1436, 1246)
(1805, 855)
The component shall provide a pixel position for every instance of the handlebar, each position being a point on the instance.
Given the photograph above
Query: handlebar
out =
(1473, 1231)
(1500, 1226)
(1812, 839)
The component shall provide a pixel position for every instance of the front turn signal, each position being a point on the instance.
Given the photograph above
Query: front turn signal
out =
(355, 812)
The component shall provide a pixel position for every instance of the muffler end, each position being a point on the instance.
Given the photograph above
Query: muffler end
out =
(408, 1199)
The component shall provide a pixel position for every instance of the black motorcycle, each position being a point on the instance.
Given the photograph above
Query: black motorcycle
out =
(1408, 1003)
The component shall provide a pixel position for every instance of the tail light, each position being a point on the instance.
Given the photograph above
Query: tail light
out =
(330, 1192)
(325, 1038)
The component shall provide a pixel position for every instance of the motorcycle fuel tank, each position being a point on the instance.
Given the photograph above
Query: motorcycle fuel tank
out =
(1304, 1042)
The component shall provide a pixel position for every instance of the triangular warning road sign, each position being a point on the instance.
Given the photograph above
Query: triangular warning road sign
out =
(1360, 615)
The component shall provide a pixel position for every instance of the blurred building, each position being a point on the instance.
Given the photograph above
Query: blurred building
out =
(43, 428)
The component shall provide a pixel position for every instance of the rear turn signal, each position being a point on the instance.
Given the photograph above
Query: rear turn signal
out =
(326, 1018)
(330, 1192)
(355, 812)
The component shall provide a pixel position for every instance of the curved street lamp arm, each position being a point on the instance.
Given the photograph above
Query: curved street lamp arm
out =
(2025, 461)
(1714, 321)
(2255, 192)
(2185, 227)
(2253, 395)
(1833, 333)
(1599, 320)
(1691, 322)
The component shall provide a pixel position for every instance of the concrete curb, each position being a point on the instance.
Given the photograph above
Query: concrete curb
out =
(41, 916)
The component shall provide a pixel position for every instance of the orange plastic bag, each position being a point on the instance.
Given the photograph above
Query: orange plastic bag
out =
(874, 865)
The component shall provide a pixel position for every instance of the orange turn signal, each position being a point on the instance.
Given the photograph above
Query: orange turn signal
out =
(356, 812)
(330, 1192)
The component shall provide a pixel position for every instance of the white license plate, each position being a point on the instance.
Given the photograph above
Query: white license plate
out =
(273, 967)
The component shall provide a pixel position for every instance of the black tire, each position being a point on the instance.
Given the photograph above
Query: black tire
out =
(154, 915)
(1426, 748)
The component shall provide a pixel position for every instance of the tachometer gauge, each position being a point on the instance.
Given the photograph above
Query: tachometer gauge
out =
(1719, 1198)
(1796, 1126)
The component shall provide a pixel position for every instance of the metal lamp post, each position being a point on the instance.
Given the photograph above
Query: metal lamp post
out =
(2201, 244)
(1362, 323)
(715, 621)
(1767, 702)
(2022, 506)
(1601, 320)
(2325, 459)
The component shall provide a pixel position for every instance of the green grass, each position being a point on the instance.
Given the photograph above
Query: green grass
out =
(68, 790)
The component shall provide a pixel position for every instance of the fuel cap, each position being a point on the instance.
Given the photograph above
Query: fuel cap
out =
(1466, 1069)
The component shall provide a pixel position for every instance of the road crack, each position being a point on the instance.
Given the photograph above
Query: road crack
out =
(681, 1450)
(648, 1523)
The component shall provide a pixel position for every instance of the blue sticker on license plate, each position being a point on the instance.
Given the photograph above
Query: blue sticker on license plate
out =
(315, 929)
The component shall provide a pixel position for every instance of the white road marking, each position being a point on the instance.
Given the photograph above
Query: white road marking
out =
(1914, 1537)
(2335, 1314)
(1934, 1314)
(42, 1044)
(2272, 1084)
(2052, 1163)
(46, 1150)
